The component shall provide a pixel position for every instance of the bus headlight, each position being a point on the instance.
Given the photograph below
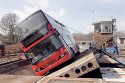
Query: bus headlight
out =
(62, 55)
(39, 69)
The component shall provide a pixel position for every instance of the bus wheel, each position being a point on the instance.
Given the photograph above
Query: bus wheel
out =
(78, 53)
(73, 53)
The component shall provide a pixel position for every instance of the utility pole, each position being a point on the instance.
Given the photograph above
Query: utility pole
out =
(93, 15)
(93, 11)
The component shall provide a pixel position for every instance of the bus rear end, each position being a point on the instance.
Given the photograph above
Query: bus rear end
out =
(41, 43)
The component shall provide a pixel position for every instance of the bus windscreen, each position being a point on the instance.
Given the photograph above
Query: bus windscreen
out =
(46, 47)
(31, 24)
(34, 36)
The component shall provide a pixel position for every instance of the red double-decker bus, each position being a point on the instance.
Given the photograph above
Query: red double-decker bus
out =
(46, 42)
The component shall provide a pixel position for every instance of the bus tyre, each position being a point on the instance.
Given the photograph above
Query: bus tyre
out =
(78, 53)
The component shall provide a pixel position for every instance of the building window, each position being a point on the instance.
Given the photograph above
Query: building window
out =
(97, 28)
(106, 30)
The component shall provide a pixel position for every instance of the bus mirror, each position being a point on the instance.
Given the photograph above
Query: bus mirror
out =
(57, 33)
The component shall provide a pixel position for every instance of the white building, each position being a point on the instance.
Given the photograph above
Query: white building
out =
(103, 27)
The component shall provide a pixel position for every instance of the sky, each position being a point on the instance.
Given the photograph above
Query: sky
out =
(77, 14)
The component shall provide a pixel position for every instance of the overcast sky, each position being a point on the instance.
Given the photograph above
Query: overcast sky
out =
(77, 14)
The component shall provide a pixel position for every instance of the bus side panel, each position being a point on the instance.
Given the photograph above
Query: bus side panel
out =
(64, 33)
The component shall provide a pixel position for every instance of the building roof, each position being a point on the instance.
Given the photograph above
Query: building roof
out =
(98, 22)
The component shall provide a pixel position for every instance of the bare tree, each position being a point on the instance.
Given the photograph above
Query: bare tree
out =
(7, 25)
(90, 36)
(83, 37)
(79, 36)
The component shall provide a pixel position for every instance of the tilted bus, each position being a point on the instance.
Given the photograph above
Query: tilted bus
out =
(46, 42)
